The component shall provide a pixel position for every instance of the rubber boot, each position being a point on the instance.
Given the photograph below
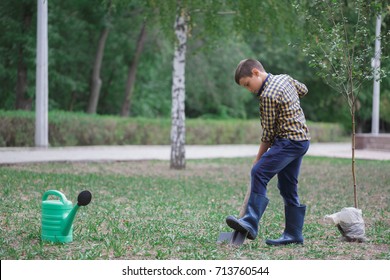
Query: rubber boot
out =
(294, 223)
(249, 223)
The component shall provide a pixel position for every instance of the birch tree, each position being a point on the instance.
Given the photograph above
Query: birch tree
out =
(212, 20)
(178, 92)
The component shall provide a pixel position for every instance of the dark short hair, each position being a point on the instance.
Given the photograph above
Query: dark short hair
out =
(244, 68)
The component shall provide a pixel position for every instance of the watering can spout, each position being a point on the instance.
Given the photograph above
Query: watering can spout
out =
(68, 222)
(83, 199)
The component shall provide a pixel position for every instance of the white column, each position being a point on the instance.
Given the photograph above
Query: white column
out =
(376, 68)
(42, 90)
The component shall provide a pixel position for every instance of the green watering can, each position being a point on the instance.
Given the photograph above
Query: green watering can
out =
(58, 215)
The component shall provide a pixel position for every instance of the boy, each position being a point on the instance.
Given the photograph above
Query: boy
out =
(284, 142)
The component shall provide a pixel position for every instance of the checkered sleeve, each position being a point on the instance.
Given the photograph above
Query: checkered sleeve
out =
(268, 117)
(301, 88)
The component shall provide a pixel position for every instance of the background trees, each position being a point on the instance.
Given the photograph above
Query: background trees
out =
(74, 31)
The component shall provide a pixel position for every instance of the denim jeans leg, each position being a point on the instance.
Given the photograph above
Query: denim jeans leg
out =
(288, 183)
(279, 156)
(288, 176)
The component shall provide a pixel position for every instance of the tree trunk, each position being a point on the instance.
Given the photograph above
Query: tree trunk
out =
(22, 102)
(376, 69)
(125, 112)
(178, 94)
(353, 156)
(96, 82)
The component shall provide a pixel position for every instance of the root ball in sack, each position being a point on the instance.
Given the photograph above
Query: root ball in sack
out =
(350, 223)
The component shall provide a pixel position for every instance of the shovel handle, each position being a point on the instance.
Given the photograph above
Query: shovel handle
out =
(245, 202)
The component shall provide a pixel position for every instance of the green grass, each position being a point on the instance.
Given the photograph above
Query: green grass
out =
(144, 210)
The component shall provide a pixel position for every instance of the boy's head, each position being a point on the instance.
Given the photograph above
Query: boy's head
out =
(250, 74)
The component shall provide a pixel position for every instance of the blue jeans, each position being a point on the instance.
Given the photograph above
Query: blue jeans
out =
(284, 158)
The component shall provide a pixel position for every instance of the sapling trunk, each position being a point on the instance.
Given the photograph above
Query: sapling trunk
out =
(353, 157)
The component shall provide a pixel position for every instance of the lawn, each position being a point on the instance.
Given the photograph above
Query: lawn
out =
(143, 210)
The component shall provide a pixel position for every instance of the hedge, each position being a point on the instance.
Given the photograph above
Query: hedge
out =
(79, 129)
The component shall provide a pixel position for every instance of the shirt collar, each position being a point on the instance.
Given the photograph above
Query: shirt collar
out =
(263, 85)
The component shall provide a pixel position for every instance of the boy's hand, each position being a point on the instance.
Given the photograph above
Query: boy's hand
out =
(264, 146)
(256, 159)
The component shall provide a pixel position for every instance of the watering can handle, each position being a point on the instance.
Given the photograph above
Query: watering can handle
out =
(56, 193)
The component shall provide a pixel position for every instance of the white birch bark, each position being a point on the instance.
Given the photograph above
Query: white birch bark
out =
(178, 94)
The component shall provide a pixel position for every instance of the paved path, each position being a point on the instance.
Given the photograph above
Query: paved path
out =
(134, 152)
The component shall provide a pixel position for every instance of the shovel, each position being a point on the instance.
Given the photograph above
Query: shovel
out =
(236, 238)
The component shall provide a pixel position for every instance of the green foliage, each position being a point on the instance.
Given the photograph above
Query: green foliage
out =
(208, 94)
(385, 105)
(326, 132)
(17, 47)
(17, 128)
(208, 20)
(222, 33)
(78, 129)
(339, 42)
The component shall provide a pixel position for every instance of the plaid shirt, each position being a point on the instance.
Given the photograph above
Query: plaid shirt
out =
(280, 110)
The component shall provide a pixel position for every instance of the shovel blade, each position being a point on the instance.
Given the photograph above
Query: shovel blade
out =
(234, 238)
(225, 237)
